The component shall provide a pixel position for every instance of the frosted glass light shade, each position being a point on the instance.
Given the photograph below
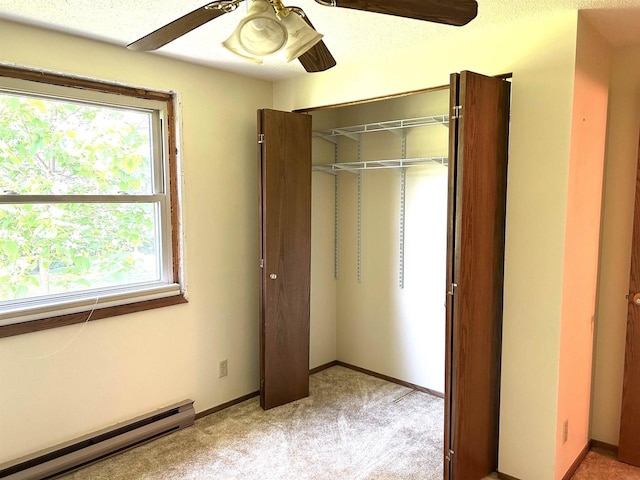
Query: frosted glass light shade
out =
(301, 37)
(259, 34)
(233, 45)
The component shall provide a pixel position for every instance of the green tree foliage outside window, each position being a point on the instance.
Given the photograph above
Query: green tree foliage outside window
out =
(68, 150)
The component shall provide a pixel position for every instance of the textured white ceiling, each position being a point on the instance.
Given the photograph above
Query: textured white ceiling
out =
(348, 33)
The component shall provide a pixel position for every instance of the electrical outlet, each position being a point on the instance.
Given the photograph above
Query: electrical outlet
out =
(565, 431)
(223, 369)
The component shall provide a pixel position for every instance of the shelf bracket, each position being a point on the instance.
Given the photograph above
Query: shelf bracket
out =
(336, 229)
(403, 191)
(353, 136)
(359, 229)
(403, 186)
(404, 144)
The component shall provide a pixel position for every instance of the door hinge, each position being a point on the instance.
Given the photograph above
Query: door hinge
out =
(452, 289)
(457, 112)
(262, 263)
(261, 138)
(449, 456)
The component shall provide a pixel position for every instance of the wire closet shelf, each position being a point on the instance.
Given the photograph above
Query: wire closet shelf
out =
(395, 126)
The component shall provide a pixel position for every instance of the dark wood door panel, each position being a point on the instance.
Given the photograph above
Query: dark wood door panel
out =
(451, 231)
(286, 253)
(629, 447)
(475, 308)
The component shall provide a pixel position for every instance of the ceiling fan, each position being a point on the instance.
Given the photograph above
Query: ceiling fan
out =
(269, 26)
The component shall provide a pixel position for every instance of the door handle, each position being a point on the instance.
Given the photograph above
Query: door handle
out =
(273, 276)
(636, 299)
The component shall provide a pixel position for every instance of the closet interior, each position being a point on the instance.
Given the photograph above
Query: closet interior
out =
(379, 236)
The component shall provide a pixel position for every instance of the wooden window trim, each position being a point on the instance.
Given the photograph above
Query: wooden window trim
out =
(88, 315)
(134, 306)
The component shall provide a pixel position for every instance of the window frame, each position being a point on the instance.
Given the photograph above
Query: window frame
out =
(130, 300)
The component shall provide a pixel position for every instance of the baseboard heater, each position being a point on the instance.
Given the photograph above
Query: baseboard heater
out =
(78, 453)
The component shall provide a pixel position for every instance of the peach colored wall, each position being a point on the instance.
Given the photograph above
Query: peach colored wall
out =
(615, 261)
(584, 198)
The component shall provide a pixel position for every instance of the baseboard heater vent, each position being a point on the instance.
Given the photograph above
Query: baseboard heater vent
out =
(78, 453)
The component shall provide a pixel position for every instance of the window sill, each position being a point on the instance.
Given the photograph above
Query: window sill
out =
(81, 317)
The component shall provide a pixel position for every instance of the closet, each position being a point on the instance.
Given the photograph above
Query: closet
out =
(379, 235)
(347, 267)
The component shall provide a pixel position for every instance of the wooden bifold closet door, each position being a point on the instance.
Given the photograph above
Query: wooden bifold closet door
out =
(285, 250)
(478, 145)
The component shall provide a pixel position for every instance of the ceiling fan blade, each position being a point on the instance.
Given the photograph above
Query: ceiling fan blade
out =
(176, 29)
(449, 12)
(317, 59)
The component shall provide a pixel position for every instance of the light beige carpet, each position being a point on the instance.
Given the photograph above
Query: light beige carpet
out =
(352, 427)
(599, 465)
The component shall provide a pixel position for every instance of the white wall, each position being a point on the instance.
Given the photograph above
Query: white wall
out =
(541, 54)
(323, 286)
(54, 386)
(381, 327)
(617, 228)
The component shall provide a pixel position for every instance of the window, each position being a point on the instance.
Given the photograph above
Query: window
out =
(87, 200)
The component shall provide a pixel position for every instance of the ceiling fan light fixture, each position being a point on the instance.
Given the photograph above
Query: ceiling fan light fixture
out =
(301, 37)
(258, 34)
(234, 46)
